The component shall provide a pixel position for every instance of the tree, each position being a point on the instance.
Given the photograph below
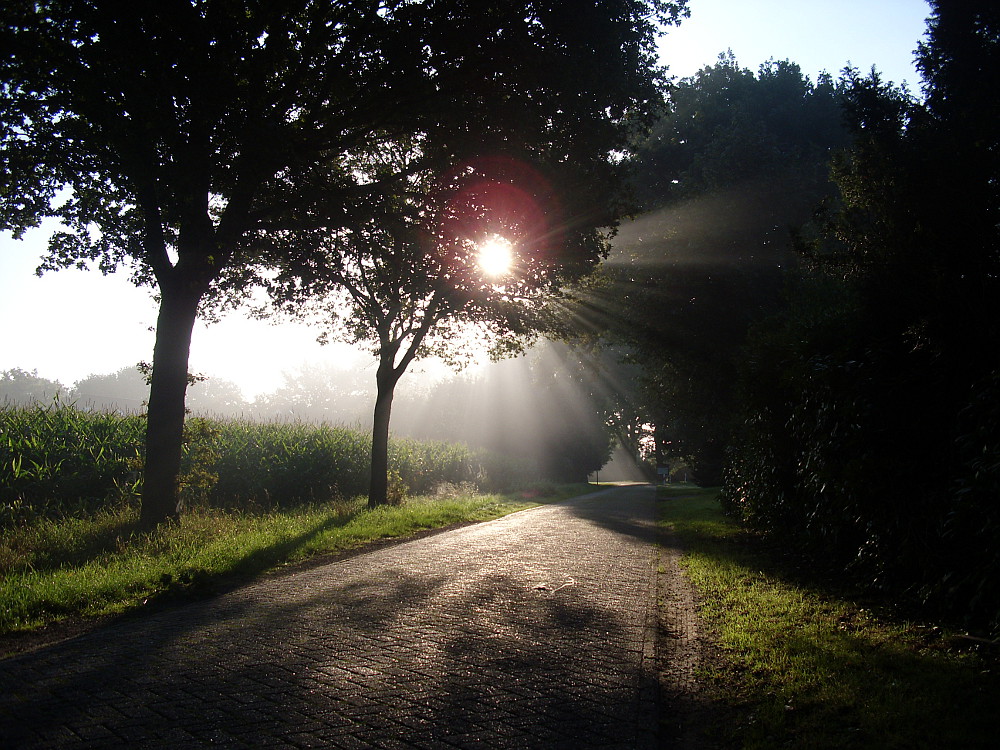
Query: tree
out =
(176, 139)
(547, 184)
(739, 159)
(871, 417)
(23, 388)
(413, 283)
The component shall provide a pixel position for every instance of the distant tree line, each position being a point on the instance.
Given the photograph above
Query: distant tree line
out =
(125, 391)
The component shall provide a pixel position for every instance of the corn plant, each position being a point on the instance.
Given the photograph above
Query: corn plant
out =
(57, 460)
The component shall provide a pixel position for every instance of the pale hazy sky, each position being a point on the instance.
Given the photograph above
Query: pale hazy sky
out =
(70, 324)
(816, 34)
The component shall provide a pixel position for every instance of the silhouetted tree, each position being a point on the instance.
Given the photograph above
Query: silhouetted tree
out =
(410, 284)
(564, 87)
(177, 139)
(871, 418)
(739, 159)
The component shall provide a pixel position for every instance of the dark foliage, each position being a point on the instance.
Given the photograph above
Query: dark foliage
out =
(870, 421)
(739, 159)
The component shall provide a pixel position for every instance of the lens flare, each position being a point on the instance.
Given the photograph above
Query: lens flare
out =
(496, 257)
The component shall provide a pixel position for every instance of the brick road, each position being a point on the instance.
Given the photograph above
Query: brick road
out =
(535, 630)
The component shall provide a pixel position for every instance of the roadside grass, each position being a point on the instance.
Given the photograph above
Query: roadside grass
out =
(805, 665)
(90, 566)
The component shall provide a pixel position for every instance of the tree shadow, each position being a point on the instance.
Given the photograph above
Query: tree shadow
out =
(333, 658)
(87, 546)
(376, 655)
(900, 686)
(628, 512)
(243, 570)
(191, 674)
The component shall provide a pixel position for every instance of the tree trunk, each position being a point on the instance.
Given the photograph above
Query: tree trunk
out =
(386, 379)
(165, 414)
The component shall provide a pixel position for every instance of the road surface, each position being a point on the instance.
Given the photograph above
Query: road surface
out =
(537, 630)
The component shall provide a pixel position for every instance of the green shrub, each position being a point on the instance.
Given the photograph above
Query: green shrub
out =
(874, 458)
(971, 515)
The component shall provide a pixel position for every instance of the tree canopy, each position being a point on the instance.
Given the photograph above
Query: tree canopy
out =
(739, 159)
(869, 407)
(190, 141)
(412, 280)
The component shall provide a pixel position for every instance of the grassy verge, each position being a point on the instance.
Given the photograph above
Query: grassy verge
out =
(94, 566)
(806, 666)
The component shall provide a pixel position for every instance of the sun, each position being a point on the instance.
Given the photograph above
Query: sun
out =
(496, 256)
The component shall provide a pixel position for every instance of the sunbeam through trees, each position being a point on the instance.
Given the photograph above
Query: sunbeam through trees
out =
(190, 144)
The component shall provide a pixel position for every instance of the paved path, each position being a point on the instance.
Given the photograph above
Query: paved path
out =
(535, 630)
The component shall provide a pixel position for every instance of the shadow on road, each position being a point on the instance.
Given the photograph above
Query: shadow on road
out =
(625, 510)
(452, 641)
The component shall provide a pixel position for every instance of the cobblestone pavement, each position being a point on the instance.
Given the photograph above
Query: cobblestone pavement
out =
(534, 630)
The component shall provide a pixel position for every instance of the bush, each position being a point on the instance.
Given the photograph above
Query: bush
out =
(850, 451)
(971, 517)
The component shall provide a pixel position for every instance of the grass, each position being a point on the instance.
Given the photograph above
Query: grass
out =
(805, 665)
(92, 566)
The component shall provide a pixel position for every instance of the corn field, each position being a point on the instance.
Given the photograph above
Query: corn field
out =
(56, 460)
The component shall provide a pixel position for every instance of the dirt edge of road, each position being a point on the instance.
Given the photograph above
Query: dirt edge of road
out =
(684, 650)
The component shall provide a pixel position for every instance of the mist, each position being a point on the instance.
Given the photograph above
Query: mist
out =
(543, 407)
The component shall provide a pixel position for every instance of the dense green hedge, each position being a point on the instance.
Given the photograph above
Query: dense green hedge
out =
(871, 413)
(879, 462)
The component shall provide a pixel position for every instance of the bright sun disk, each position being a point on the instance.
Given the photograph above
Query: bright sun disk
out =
(496, 256)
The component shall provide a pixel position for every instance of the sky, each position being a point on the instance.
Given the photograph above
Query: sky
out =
(69, 324)
(817, 34)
